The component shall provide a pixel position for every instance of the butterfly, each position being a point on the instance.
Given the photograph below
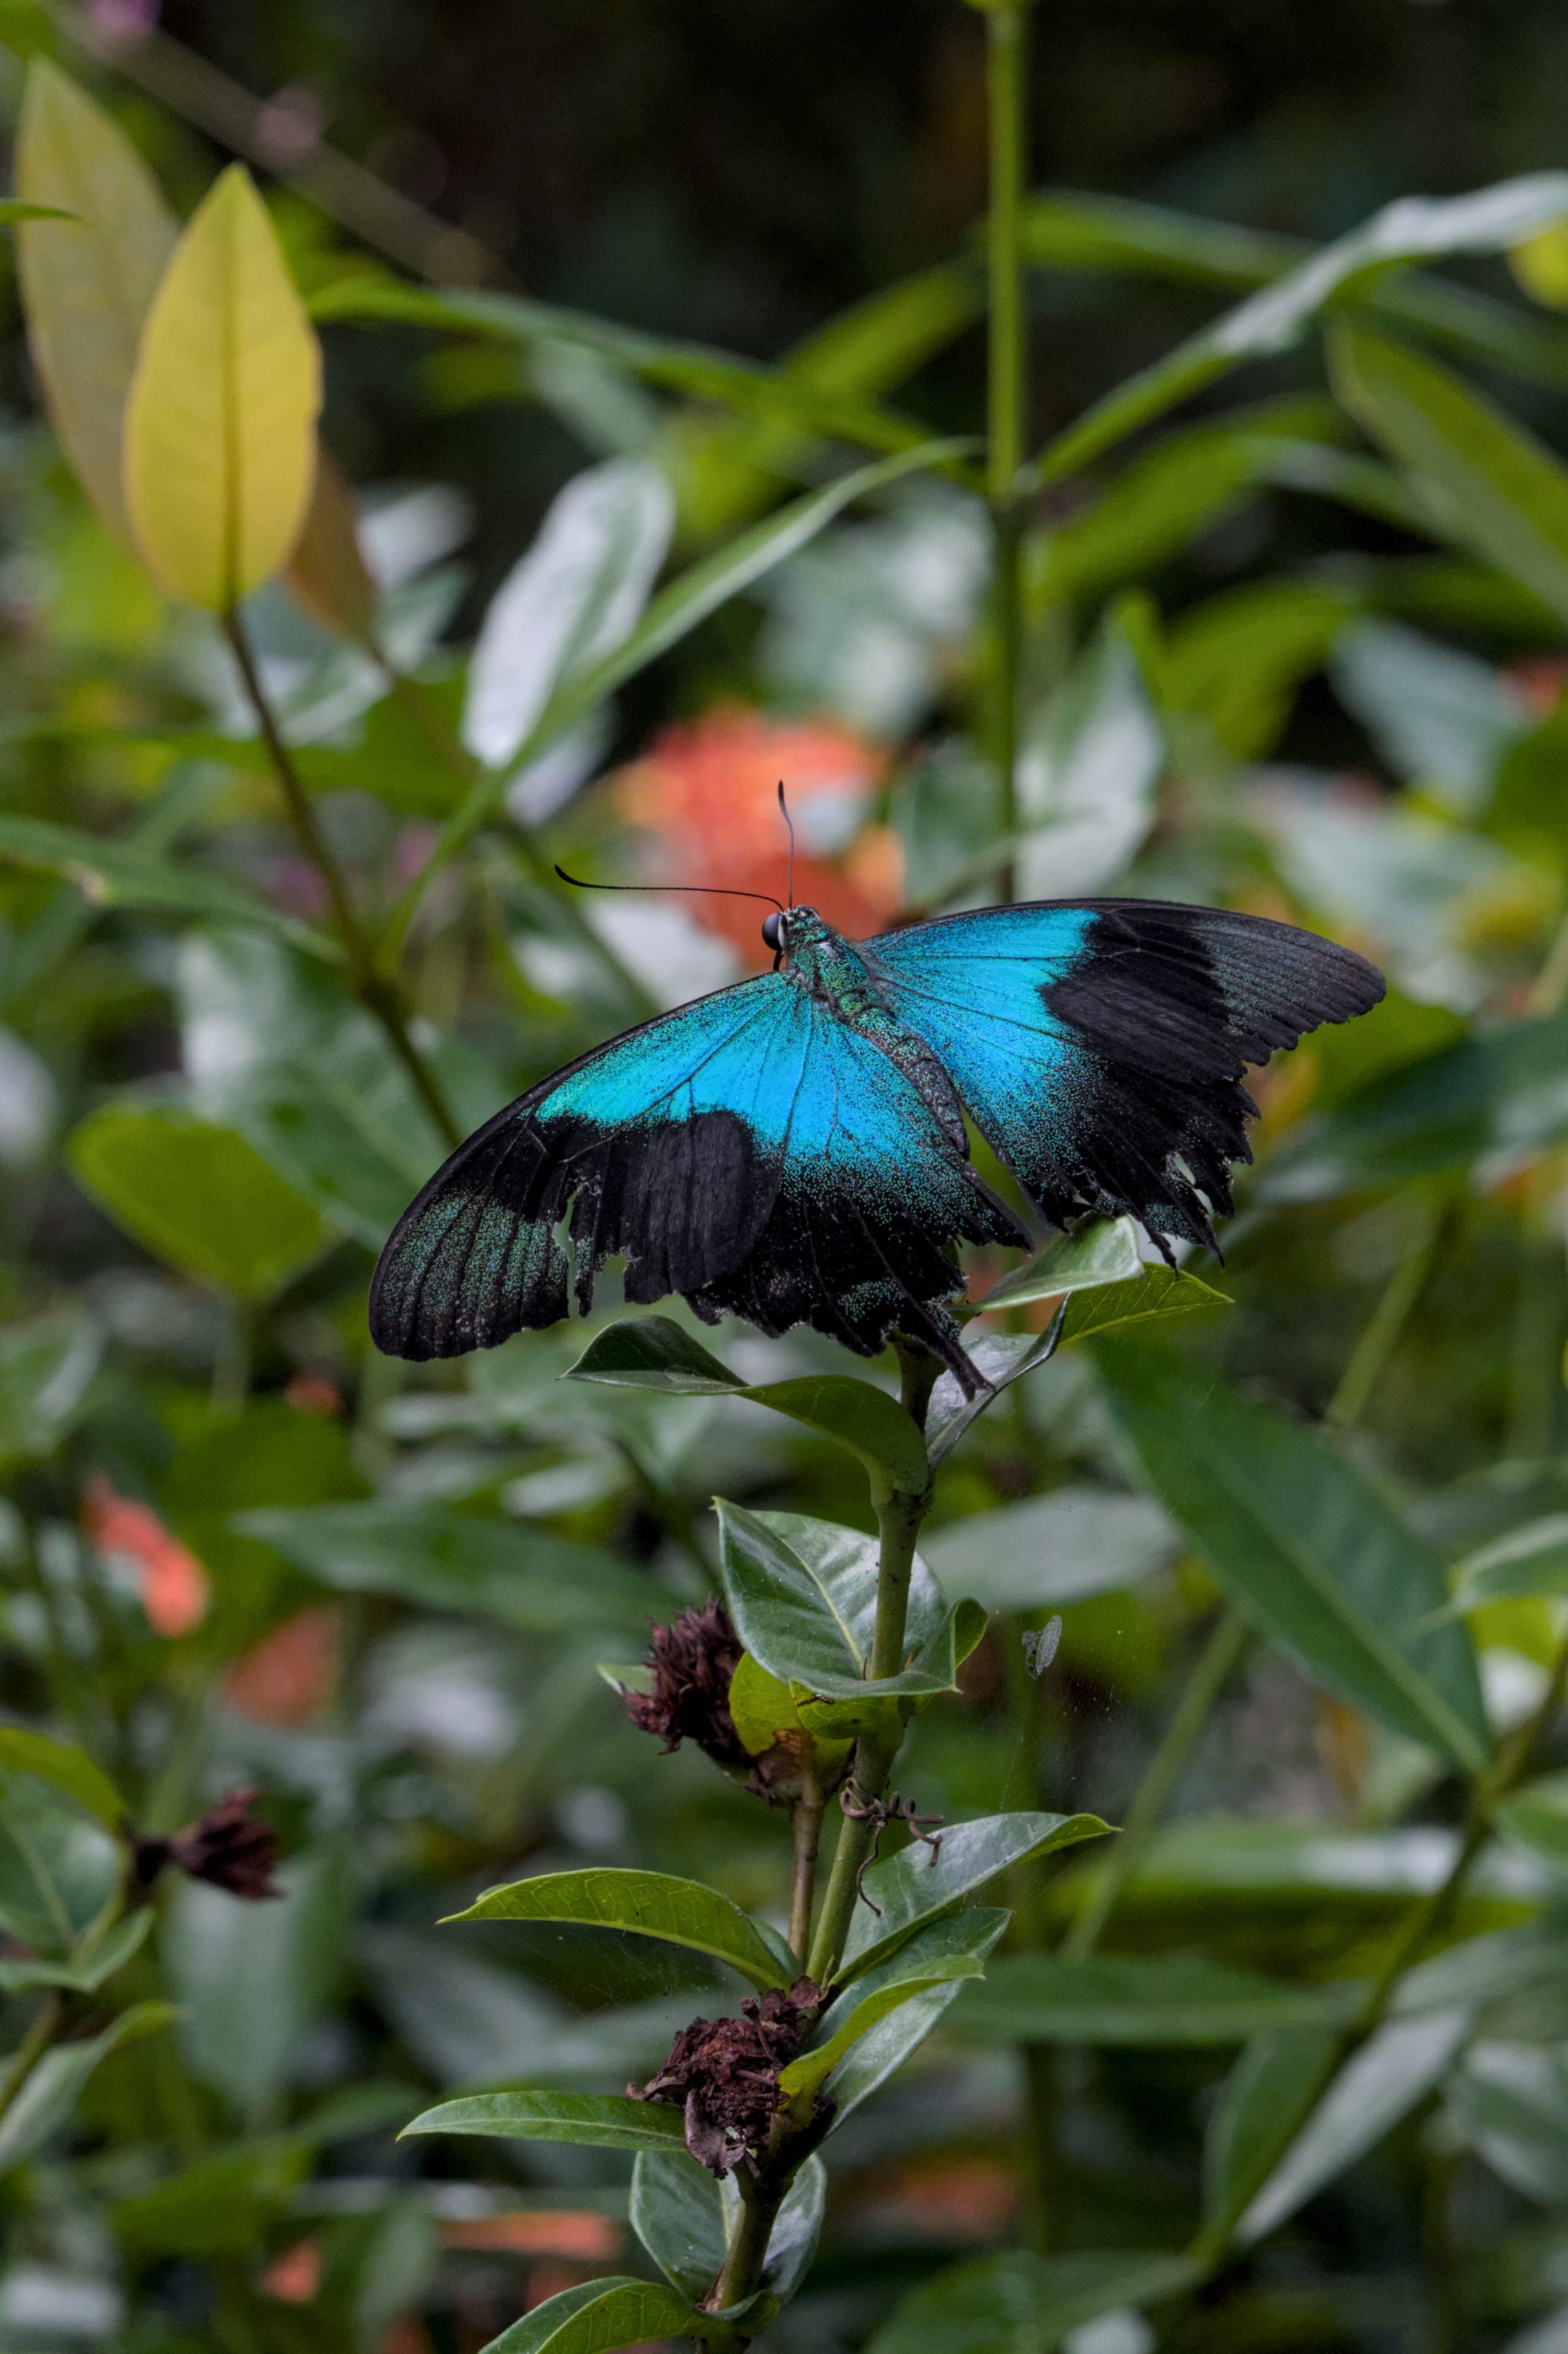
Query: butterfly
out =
(793, 1149)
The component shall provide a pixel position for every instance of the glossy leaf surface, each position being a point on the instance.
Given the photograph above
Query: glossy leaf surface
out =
(644, 1903)
(1311, 1552)
(913, 1887)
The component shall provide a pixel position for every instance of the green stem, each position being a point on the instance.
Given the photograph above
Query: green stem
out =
(1388, 1321)
(378, 996)
(1007, 57)
(747, 2252)
(898, 1516)
(806, 1836)
(1214, 1663)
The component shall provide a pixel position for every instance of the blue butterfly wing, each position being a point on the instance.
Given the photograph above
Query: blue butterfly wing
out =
(1100, 1046)
(746, 1151)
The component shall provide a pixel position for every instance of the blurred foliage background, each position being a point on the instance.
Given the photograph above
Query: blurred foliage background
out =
(1282, 651)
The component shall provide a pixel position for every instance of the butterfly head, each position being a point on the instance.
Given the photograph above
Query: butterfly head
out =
(788, 930)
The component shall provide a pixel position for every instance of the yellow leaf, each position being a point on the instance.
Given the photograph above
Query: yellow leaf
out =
(326, 573)
(87, 284)
(1540, 265)
(220, 442)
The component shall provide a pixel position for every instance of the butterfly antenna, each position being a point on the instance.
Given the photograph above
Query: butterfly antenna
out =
(709, 890)
(784, 809)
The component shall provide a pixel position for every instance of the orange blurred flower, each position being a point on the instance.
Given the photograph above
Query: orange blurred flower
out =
(173, 1585)
(295, 2277)
(707, 791)
(291, 1673)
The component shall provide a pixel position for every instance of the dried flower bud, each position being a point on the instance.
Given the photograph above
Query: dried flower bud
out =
(227, 1846)
(692, 1661)
(725, 2073)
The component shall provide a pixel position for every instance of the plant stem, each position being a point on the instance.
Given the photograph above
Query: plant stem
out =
(1388, 1321)
(1007, 46)
(1214, 1663)
(378, 996)
(747, 2252)
(898, 1515)
(806, 1831)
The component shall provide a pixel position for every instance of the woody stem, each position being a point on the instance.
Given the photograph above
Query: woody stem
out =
(806, 1825)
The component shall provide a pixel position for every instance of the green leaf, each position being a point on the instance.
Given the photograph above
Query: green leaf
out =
(1532, 1559)
(93, 1965)
(1495, 1097)
(944, 1953)
(112, 874)
(1304, 1546)
(933, 1957)
(1378, 2087)
(1000, 1359)
(58, 1867)
(1067, 230)
(1499, 491)
(1237, 660)
(774, 396)
(685, 2217)
(1156, 2001)
(1158, 1293)
(1537, 1815)
(802, 1593)
(1015, 2303)
(279, 1051)
(1274, 319)
(46, 1366)
(859, 1416)
(570, 602)
(1101, 1251)
(52, 2091)
(602, 2120)
(223, 2205)
(447, 1559)
(602, 2314)
(678, 2213)
(64, 1768)
(655, 1352)
(912, 1888)
(252, 1979)
(762, 1706)
(678, 608)
(198, 1196)
(1262, 2107)
(11, 212)
(643, 1905)
(1052, 1549)
(1507, 2102)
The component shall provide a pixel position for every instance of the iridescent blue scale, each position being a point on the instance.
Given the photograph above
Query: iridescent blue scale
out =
(793, 1149)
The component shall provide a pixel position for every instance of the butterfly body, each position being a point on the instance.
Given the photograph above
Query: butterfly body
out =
(793, 1149)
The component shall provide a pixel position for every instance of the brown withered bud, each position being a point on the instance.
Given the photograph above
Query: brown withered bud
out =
(227, 1846)
(725, 2073)
(692, 1661)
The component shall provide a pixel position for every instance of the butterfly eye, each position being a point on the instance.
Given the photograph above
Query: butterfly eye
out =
(772, 931)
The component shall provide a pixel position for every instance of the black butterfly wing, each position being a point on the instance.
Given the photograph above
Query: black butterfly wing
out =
(1100, 1046)
(748, 1151)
